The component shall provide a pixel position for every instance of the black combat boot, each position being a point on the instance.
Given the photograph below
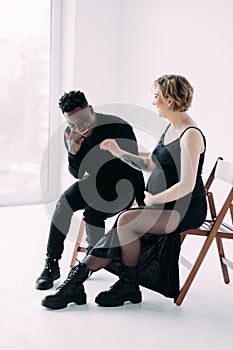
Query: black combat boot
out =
(50, 273)
(125, 289)
(71, 290)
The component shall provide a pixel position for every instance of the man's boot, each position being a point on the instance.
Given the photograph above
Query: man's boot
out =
(125, 289)
(50, 273)
(71, 290)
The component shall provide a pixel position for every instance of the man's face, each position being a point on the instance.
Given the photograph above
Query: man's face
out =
(81, 119)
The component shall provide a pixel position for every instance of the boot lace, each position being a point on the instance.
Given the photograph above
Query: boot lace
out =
(115, 286)
(47, 270)
(72, 273)
(46, 273)
(118, 285)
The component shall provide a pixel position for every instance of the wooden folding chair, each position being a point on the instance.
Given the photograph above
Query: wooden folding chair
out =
(214, 228)
(78, 245)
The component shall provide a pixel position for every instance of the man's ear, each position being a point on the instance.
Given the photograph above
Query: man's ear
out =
(91, 109)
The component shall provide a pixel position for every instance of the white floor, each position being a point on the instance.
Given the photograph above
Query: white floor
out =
(204, 321)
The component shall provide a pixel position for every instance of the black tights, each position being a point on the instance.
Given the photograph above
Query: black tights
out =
(131, 225)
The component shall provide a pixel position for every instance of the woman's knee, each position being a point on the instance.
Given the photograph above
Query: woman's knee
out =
(127, 219)
(123, 219)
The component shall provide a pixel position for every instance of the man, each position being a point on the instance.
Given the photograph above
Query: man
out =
(105, 185)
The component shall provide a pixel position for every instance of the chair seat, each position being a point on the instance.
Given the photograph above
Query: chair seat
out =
(224, 231)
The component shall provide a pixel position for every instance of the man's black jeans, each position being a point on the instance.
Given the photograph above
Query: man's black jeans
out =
(72, 200)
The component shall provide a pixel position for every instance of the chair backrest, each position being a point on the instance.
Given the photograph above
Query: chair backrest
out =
(222, 171)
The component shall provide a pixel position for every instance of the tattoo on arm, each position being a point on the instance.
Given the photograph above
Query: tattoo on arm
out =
(134, 161)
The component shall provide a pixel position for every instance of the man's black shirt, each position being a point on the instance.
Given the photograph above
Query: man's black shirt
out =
(106, 169)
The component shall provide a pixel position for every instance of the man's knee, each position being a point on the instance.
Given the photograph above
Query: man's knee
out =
(91, 216)
(62, 205)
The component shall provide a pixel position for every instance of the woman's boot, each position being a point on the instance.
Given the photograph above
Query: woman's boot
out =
(71, 290)
(125, 289)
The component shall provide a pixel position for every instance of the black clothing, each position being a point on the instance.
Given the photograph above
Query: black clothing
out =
(106, 170)
(50, 274)
(125, 289)
(158, 264)
(168, 167)
(106, 185)
(70, 291)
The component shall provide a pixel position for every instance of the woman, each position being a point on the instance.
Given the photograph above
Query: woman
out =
(144, 244)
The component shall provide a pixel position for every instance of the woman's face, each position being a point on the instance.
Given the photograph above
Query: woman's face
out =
(161, 104)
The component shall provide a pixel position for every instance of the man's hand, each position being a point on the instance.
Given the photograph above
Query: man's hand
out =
(74, 141)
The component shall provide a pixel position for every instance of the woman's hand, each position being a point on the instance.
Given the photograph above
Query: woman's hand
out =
(149, 198)
(111, 146)
(73, 140)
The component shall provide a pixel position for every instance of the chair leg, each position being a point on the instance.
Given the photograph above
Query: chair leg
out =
(77, 244)
(222, 255)
(194, 271)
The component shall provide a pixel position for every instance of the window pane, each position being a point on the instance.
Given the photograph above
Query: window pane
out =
(24, 91)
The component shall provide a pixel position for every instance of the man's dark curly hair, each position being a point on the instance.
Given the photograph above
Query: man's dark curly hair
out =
(71, 100)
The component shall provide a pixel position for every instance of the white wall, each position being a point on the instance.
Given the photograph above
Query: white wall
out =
(192, 38)
(97, 55)
(121, 46)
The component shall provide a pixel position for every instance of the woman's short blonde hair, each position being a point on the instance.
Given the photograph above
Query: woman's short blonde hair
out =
(178, 89)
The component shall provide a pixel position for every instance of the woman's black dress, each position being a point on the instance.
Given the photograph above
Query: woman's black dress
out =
(158, 267)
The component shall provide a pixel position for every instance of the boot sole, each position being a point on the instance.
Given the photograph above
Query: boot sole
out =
(56, 306)
(110, 303)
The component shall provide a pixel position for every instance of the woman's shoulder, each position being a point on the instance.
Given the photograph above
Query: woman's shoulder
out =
(192, 129)
(193, 135)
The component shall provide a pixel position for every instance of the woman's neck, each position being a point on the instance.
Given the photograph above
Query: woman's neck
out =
(179, 120)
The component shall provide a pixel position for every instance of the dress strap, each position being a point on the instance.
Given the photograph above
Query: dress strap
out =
(164, 133)
(194, 127)
(167, 128)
